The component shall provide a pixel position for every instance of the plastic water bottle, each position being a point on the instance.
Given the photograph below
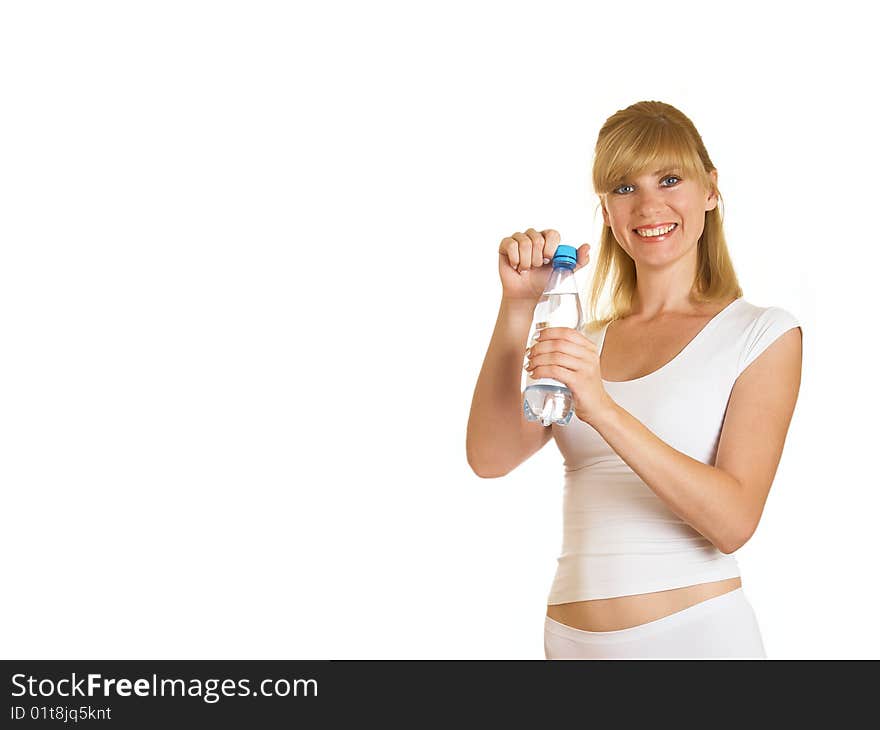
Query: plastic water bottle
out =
(546, 399)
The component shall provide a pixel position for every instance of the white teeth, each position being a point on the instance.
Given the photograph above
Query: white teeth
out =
(647, 232)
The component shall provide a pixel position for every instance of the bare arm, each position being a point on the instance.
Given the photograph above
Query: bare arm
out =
(499, 438)
(723, 502)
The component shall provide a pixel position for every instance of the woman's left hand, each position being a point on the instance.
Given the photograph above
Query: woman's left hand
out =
(564, 354)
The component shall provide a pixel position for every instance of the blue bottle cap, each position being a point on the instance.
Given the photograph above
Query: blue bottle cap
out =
(565, 256)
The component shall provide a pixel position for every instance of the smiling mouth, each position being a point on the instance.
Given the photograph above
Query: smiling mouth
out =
(659, 237)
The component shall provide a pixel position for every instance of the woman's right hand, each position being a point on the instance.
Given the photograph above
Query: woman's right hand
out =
(525, 263)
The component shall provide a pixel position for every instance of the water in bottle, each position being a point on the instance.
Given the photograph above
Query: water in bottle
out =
(545, 399)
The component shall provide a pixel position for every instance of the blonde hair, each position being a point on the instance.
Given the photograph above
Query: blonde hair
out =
(649, 135)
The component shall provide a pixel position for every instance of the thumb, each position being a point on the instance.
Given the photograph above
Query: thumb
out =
(583, 253)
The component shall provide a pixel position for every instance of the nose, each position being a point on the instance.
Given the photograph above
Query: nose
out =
(649, 204)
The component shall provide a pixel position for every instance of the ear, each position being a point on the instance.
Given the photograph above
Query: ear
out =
(604, 212)
(712, 201)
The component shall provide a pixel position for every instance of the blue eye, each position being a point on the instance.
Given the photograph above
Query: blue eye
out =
(668, 177)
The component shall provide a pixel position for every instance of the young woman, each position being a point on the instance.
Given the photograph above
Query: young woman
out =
(683, 394)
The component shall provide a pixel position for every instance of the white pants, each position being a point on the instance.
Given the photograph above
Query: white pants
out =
(723, 627)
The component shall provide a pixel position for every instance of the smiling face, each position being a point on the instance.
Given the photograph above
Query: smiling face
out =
(659, 199)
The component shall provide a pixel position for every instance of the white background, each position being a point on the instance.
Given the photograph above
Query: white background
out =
(248, 279)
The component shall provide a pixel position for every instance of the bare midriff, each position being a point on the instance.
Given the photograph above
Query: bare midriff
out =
(624, 612)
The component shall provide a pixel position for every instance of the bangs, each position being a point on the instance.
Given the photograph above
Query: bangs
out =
(629, 152)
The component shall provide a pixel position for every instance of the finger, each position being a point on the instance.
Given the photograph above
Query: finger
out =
(510, 248)
(589, 344)
(551, 243)
(550, 333)
(525, 251)
(547, 333)
(556, 336)
(574, 334)
(537, 248)
(563, 375)
(554, 359)
(562, 346)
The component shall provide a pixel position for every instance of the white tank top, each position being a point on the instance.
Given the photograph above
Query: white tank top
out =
(619, 538)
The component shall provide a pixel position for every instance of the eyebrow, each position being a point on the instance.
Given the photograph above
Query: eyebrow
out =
(669, 170)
